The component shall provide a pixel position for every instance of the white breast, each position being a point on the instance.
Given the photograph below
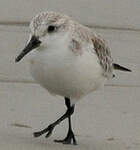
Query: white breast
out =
(63, 73)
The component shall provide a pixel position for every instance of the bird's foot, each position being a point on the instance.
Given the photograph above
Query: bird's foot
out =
(69, 138)
(47, 130)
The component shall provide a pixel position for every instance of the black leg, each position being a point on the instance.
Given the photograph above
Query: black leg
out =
(50, 128)
(70, 135)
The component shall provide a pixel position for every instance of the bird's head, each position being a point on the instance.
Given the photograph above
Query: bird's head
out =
(45, 29)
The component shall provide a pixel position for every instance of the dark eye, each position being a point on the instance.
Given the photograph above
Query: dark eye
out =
(51, 28)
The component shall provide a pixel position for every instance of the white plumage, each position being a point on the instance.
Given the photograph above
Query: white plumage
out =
(62, 72)
(60, 68)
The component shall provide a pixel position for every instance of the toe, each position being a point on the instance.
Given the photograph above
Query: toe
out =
(59, 141)
(37, 134)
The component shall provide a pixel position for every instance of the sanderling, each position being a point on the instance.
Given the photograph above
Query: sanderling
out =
(67, 59)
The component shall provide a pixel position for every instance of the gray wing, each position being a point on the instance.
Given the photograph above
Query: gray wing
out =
(104, 55)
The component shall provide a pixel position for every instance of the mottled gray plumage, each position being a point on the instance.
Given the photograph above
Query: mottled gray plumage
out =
(44, 18)
(103, 54)
(86, 35)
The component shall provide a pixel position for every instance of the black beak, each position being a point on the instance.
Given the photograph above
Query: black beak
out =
(34, 43)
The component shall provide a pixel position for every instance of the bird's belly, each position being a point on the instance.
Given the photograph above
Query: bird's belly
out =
(65, 76)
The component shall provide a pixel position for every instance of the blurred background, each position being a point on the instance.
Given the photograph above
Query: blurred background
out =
(108, 119)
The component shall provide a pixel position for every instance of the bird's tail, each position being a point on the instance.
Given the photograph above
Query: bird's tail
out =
(121, 68)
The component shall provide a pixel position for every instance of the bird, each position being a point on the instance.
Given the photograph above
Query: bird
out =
(67, 59)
